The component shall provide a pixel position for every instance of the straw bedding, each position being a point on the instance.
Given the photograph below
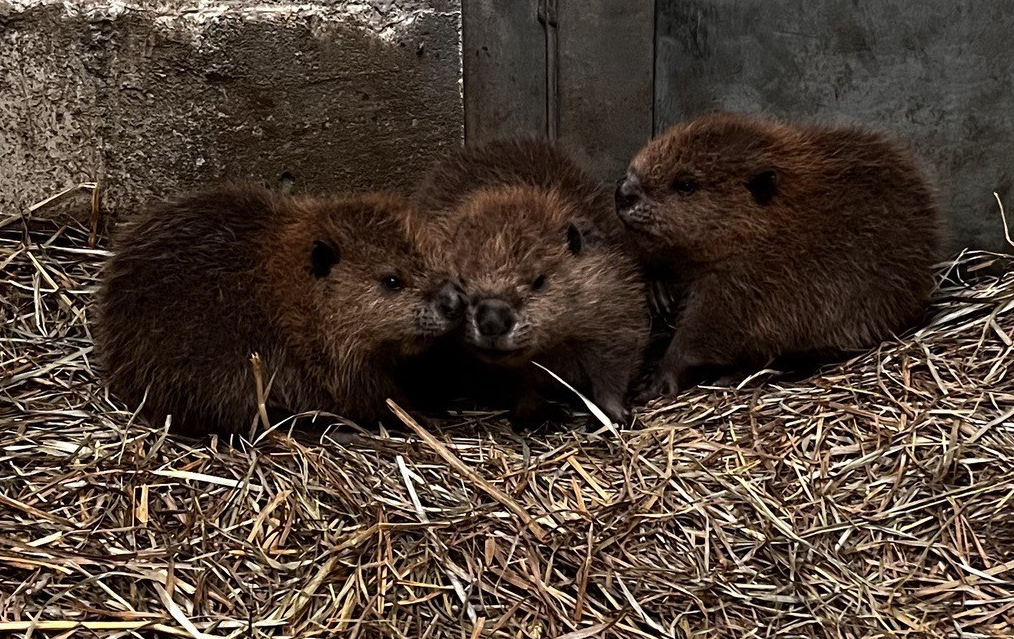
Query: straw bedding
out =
(873, 500)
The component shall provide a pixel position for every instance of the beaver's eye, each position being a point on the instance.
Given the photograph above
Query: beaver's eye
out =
(392, 283)
(684, 185)
(539, 283)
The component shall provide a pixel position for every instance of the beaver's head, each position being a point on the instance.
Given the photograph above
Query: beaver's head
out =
(703, 189)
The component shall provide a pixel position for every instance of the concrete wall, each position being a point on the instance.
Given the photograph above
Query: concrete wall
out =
(150, 98)
(938, 73)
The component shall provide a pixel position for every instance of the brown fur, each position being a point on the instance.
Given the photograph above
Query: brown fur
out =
(199, 284)
(794, 239)
(513, 212)
(521, 162)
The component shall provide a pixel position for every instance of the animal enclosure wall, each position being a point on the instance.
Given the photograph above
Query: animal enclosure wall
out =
(939, 74)
(150, 98)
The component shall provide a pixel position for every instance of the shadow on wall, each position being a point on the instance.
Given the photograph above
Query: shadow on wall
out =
(941, 78)
(150, 104)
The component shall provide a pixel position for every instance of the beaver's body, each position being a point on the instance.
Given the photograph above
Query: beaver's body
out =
(528, 237)
(329, 292)
(778, 240)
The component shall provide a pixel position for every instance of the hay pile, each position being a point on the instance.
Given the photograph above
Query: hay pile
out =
(876, 500)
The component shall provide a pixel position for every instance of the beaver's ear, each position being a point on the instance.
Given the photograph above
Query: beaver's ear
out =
(574, 239)
(763, 186)
(323, 256)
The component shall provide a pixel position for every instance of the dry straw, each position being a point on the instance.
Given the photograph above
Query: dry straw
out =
(874, 500)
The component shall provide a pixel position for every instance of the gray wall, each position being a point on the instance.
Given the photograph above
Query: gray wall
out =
(938, 73)
(605, 88)
(154, 98)
(577, 71)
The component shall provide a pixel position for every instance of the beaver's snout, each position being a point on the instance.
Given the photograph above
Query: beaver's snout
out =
(494, 318)
(628, 194)
(450, 301)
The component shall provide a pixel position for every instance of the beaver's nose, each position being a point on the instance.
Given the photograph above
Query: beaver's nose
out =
(494, 318)
(450, 301)
(628, 193)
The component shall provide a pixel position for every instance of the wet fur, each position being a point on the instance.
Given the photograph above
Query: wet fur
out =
(503, 210)
(197, 285)
(832, 255)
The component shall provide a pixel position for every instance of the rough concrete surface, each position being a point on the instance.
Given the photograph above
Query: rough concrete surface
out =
(150, 98)
(939, 74)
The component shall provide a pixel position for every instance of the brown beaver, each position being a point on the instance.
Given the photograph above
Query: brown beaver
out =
(330, 292)
(526, 235)
(772, 240)
(522, 161)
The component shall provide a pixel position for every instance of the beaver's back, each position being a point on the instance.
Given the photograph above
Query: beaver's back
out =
(178, 307)
(855, 235)
(863, 232)
(517, 162)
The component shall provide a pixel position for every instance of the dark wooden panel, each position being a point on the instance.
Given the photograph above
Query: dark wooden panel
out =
(606, 50)
(504, 66)
(941, 77)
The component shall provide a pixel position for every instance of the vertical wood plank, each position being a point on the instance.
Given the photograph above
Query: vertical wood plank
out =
(504, 67)
(606, 62)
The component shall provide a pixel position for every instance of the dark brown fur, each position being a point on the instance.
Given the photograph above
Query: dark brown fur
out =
(199, 284)
(777, 240)
(521, 162)
(525, 228)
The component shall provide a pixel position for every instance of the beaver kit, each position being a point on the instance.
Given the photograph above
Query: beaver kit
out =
(330, 292)
(526, 234)
(765, 239)
(758, 240)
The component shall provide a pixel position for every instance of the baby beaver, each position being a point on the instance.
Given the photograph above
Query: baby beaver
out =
(330, 292)
(524, 238)
(777, 240)
(522, 162)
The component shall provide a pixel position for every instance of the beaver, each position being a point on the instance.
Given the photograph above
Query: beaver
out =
(767, 239)
(526, 235)
(522, 161)
(330, 292)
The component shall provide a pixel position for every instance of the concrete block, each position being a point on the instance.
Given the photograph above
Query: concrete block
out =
(151, 98)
